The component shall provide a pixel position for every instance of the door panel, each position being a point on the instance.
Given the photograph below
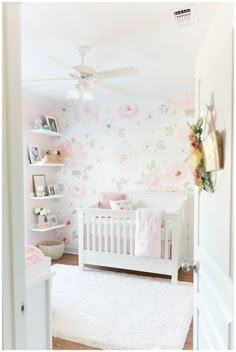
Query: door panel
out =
(213, 315)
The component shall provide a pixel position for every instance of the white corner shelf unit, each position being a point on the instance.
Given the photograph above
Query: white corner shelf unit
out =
(34, 228)
(46, 133)
(32, 196)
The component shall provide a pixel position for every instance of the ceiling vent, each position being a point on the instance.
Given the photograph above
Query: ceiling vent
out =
(184, 17)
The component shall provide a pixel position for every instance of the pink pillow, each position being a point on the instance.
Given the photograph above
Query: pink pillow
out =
(104, 199)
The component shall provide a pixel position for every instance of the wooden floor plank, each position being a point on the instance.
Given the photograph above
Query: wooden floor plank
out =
(72, 259)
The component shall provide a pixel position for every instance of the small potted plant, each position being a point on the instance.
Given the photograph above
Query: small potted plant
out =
(41, 214)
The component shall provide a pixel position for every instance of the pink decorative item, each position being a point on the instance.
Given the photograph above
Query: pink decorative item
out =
(129, 111)
(104, 199)
(33, 255)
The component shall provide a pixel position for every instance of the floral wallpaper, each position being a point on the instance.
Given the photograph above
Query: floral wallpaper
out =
(134, 146)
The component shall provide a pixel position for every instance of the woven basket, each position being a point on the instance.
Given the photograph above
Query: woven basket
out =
(53, 249)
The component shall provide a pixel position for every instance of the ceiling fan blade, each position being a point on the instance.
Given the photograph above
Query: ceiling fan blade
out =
(49, 79)
(111, 87)
(125, 71)
(64, 65)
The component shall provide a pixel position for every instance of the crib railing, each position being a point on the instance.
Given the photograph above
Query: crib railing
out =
(113, 231)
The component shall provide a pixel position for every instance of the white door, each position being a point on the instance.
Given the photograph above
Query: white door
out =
(213, 237)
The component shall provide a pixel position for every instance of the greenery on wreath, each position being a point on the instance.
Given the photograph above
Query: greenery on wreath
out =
(201, 177)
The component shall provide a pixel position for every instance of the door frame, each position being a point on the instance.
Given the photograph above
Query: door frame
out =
(13, 250)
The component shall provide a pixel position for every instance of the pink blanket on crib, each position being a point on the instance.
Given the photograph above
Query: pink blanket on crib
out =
(148, 232)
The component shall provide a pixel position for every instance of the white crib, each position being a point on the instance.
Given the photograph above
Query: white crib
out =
(107, 237)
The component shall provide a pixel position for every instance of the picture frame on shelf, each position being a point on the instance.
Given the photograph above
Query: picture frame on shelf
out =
(34, 154)
(40, 185)
(51, 190)
(57, 189)
(52, 218)
(52, 122)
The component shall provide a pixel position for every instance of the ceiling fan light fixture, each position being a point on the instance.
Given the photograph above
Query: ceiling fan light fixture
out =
(88, 93)
(74, 93)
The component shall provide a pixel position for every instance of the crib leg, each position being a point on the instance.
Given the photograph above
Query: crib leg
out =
(81, 266)
(174, 279)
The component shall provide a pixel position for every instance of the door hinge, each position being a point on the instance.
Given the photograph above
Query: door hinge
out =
(22, 308)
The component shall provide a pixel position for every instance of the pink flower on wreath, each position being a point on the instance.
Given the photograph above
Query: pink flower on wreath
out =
(78, 190)
(153, 181)
(176, 173)
(128, 111)
(63, 237)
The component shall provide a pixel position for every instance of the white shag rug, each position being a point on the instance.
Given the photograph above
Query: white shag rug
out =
(113, 311)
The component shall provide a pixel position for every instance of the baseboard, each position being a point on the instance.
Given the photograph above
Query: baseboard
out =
(69, 250)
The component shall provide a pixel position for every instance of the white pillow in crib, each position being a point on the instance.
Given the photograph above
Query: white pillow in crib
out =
(125, 204)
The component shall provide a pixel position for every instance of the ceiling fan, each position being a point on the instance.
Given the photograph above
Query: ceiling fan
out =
(87, 77)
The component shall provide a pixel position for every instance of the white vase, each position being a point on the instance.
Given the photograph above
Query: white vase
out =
(41, 219)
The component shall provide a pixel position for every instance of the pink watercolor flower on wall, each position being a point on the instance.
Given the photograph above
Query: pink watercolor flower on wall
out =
(68, 221)
(72, 153)
(89, 114)
(176, 174)
(78, 190)
(128, 111)
(184, 135)
(63, 237)
(153, 181)
(180, 103)
(124, 155)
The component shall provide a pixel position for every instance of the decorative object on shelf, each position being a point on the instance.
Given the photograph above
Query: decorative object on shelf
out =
(201, 177)
(52, 157)
(53, 219)
(51, 190)
(39, 185)
(47, 127)
(44, 225)
(52, 122)
(53, 249)
(34, 154)
(41, 214)
(38, 124)
(40, 191)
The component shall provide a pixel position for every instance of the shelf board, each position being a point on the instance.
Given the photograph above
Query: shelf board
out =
(48, 197)
(34, 228)
(46, 164)
(46, 133)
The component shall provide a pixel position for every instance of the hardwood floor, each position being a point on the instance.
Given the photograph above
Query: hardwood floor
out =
(71, 259)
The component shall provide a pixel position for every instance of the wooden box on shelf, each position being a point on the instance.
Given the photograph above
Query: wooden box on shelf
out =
(44, 225)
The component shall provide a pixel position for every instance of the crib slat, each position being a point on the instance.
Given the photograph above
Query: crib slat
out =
(94, 234)
(87, 232)
(125, 235)
(105, 235)
(131, 236)
(112, 235)
(99, 233)
(166, 232)
(118, 234)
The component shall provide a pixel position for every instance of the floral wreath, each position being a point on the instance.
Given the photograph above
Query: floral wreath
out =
(201, 177)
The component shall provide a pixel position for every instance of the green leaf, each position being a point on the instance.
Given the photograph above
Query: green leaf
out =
(153, 164)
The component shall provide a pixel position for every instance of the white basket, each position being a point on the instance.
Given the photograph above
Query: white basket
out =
(53, 249)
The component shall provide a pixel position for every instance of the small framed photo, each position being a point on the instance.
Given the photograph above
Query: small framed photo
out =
(52, 122)
(52, 218)
(34, 154)
(57, 189)
(51, 190)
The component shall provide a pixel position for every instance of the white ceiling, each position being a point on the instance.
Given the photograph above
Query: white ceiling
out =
(138, 34)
